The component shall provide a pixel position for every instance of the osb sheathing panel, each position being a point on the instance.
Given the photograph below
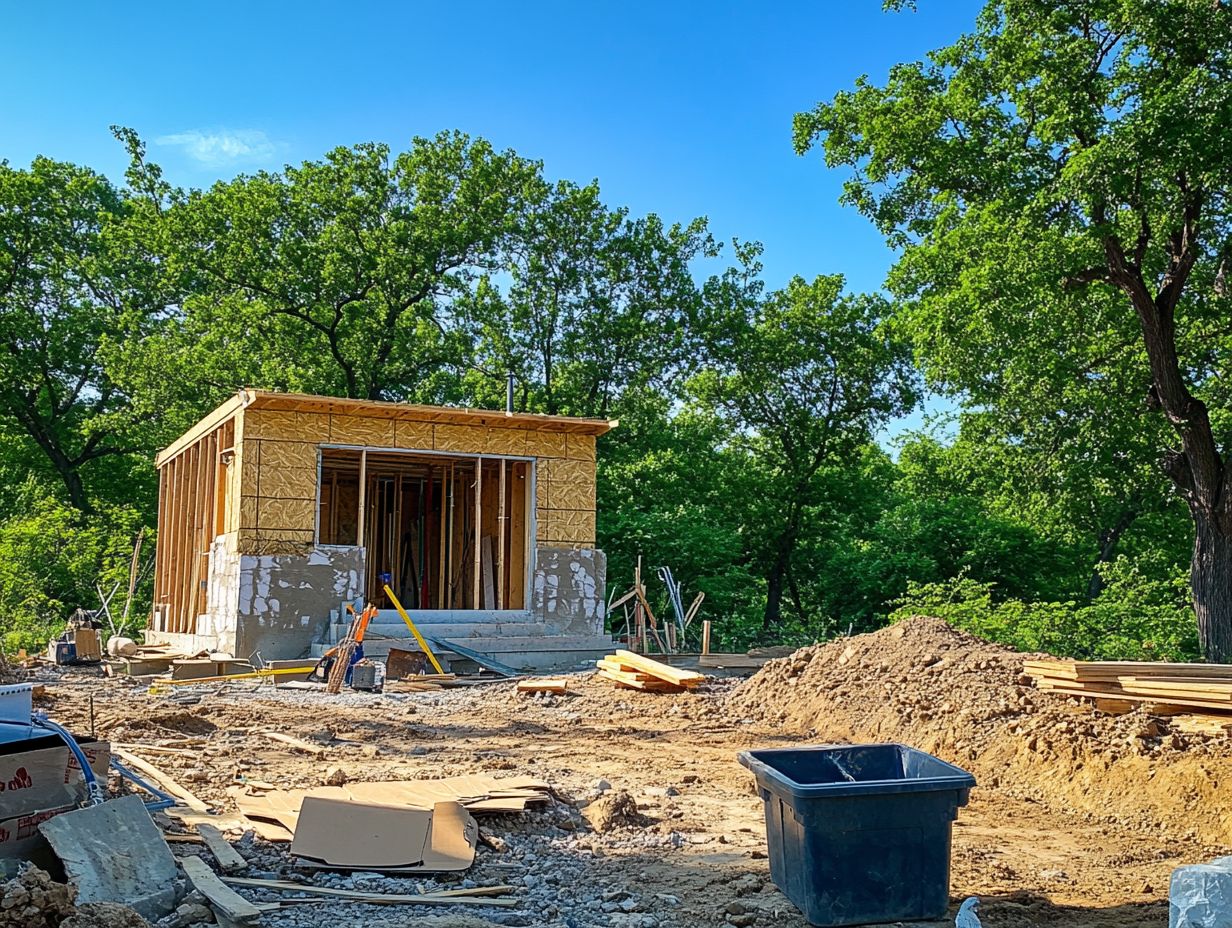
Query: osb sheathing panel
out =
(580, 447)
(287, 454)
(572, 472)
(361, 430)
(248, 512)
(288, 482)
(545, 444)
(287, 426)
(298, 514)
(278, 541)
(506, 441)
(415, 435)
(250, 470)
(565, 495)
(462, 438)
(568, 526)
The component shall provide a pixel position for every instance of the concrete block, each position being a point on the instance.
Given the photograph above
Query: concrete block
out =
(115, 853)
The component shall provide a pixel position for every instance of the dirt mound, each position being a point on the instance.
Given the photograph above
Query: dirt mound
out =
(614, 810)
(926, 684)
(158, 725)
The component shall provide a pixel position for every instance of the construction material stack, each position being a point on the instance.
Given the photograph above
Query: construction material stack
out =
(1169, 689)
(638, 672)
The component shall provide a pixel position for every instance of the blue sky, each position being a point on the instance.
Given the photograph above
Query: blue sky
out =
(680, 109)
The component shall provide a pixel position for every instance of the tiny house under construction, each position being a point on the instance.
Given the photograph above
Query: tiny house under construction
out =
(276, 510)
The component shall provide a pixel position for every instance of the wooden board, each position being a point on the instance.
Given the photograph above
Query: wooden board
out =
(298, 744)
(633, 682)
(658, 669)
(161, 779)
(229, 859)
(222, 898)
(545, 685)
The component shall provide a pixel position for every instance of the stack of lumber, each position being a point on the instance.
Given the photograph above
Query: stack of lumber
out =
(638, 672)
(1168, 688)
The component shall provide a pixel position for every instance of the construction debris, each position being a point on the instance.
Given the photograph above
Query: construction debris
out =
(33, 900)
(114, 853)
(477, 793)
(350, 835)
(229, 859)
(480, 895)
(638, 672)
(229, 905)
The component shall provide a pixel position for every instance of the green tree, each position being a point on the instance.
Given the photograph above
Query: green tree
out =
(340, 276)
(1058, 186)
(803, 377)
(597, 303)
(67, 285)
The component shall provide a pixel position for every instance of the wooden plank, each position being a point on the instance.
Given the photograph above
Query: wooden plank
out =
(502, 526)
(489, 578)
(477, 553)
(440, 586)
(361, 523)
(305, 747)
(448, 897)
(519, 529)
(211, 421)
(706, 637)
(545, 685)
(223, 899)
(163, 780)
(228, 858)
(631, 681)
(658, 669)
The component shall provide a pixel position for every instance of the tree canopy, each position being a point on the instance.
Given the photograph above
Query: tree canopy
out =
(1056, 186)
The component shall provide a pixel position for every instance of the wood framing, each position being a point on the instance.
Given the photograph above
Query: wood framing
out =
(258, 477)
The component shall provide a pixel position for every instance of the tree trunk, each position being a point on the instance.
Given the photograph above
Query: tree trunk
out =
(1210, 576)
(1109, 538)
(774, 590)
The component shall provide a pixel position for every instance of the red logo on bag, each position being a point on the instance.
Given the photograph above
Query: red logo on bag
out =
(21, 780)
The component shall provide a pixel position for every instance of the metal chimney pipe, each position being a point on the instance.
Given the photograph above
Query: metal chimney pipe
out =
(509, 393)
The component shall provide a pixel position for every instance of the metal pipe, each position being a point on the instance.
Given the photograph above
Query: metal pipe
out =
(509, 393)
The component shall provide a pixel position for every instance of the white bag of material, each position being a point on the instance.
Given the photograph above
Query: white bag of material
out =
(1200, 895)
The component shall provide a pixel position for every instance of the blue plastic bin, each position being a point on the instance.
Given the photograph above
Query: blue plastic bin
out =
(860, 834)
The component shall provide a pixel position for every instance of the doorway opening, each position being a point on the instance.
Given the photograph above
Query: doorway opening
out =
(445, 532)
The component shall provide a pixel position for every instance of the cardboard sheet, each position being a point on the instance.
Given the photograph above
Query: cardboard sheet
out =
(364, 836)
(476, 793)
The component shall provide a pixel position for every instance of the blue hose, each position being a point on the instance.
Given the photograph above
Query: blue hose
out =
(164, 801)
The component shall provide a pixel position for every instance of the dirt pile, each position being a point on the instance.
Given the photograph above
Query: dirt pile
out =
(926, 684)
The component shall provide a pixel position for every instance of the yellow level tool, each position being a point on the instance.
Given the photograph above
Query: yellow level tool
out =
(250, 675)
(414, 631)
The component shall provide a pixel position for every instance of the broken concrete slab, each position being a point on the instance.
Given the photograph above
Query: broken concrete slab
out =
(114, 853)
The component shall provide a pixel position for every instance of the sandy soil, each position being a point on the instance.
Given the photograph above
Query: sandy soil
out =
(1042, 841)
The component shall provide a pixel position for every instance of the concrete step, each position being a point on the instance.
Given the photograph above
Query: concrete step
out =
(530, 653)
(499, 646)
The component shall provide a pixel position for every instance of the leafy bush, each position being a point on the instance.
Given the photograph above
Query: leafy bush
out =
(1134, 618)
(50, 559)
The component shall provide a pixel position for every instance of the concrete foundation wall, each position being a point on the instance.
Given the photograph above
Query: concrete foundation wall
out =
(284, 600)
(569, 589)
